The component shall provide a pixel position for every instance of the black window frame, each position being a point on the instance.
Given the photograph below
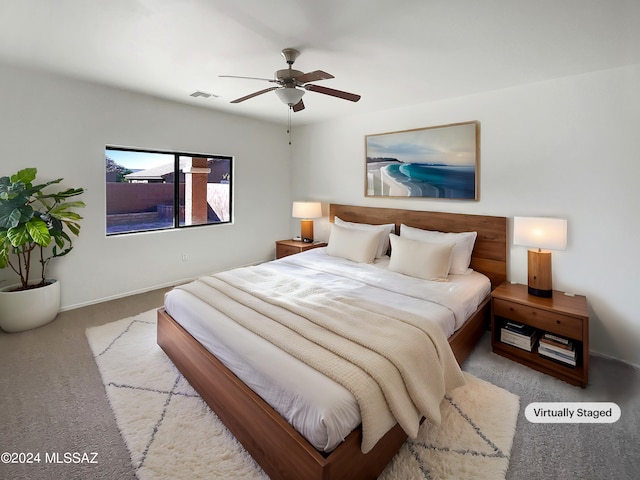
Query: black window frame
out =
(176, 188)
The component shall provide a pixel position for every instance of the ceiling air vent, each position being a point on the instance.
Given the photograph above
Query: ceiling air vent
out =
(202, 94)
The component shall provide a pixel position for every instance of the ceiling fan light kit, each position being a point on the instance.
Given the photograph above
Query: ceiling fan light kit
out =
(290, 95)
(289, 79)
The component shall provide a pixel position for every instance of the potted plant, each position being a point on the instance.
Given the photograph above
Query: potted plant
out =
(33, 230)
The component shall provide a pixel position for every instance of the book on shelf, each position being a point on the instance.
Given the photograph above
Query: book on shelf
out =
(557, 348)
(554, 345)
(519, 328)
(554, 355)
(556, 338)
(520, 340)
(571, 354)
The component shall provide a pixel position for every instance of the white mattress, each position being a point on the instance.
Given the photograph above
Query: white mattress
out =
(323, 411)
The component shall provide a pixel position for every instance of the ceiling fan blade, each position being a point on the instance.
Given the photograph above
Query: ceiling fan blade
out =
(298, 106)
(352, 97)
(249, 78)
(313, 76)
(255, 94)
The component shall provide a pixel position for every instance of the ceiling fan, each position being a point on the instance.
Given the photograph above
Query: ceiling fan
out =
(292, 84)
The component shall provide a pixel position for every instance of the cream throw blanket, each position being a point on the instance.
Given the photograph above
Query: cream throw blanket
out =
(397, 365)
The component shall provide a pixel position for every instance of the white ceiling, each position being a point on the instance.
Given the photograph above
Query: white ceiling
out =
(393, 53)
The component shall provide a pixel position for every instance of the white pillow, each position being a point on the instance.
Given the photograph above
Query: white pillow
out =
(461, 252)
(383, 246)
(429, 261)
(353, 244)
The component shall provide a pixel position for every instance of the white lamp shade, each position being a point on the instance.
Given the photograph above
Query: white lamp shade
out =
(540, 232)
(306, 210)
(290, 96)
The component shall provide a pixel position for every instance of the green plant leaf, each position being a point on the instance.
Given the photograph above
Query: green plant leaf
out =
(71, 192)
(74, 227)
(5, 249)
(11, 214)
(5, 183)
(18, 235)
(9, 217)
(63, 252)
(60, 237)
(63, 212)
(59, 241)
(14, 195)
(25, 176)
(39, 231)
(14, 218)
(69, 205)
(4, 256)
(54, 225)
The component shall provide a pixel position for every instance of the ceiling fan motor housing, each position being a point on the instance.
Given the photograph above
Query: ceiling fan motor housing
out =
(288, 76)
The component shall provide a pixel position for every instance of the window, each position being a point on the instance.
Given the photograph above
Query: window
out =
(149, 190)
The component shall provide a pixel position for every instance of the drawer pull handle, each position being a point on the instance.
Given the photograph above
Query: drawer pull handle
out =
(558, 322)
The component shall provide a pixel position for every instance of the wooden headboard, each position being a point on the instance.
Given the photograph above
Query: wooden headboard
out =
(489, 253)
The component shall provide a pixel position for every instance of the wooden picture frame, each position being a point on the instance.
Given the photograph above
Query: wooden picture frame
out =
(432, 162)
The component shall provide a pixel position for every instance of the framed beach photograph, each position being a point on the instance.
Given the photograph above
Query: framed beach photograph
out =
(432, 162)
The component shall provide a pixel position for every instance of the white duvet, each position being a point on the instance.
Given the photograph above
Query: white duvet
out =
(323, 411)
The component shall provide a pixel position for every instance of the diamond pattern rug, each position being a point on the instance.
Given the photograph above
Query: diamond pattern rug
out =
(172, 434)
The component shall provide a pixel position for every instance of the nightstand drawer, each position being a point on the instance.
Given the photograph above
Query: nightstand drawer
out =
(539, 318)
(286, 250)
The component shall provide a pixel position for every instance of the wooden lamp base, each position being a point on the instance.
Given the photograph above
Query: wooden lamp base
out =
(540, 273)
(306, 230)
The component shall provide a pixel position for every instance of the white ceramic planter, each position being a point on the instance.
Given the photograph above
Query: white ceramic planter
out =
(28, 309)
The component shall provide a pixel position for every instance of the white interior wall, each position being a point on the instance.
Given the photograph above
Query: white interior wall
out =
(61, 126)
(559, 148)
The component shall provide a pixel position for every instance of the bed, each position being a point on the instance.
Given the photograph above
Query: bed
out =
(267, 436)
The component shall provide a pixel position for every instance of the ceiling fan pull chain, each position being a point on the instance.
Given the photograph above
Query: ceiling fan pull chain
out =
(289, 123)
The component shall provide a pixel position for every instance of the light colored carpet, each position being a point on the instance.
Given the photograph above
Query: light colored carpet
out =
(172, 434)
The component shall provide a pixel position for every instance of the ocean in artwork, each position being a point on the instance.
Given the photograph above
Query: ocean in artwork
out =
(426, 180)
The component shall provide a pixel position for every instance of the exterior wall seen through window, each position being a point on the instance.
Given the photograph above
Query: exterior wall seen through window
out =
(148, 190)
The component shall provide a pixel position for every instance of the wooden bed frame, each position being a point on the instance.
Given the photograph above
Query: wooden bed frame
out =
(279, 449)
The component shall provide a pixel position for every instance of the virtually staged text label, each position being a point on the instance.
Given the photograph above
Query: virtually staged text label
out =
(572, 412)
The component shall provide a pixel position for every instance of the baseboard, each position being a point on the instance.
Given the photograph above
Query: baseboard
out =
(126, 294)
(172, 283)
(609, 357)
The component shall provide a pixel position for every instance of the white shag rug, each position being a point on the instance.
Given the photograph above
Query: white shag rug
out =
(172, 434)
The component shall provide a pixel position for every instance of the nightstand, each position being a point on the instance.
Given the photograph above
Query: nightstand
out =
(561, 315)
(290, 247)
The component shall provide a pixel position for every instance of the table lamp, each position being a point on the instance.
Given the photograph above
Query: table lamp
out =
(306, 211)
(542, 233)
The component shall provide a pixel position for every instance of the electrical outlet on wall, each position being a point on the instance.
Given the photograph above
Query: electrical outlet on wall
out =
(185, 257)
